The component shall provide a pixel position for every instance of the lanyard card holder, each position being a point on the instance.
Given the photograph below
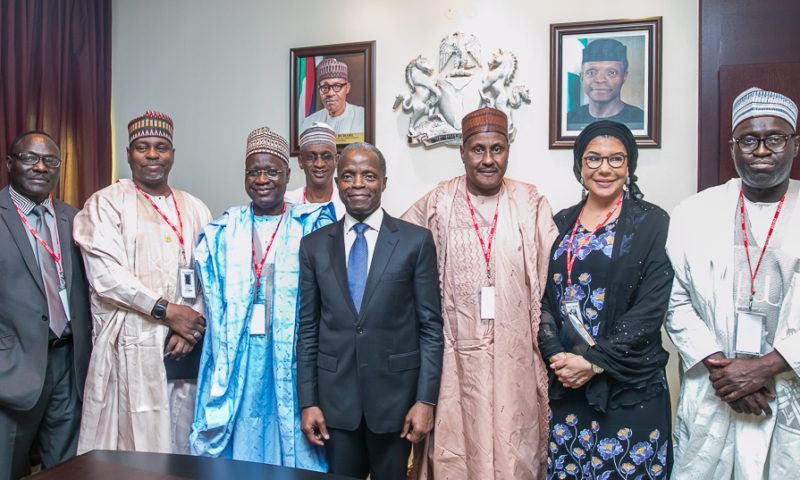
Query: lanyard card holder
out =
(750, 334)
(487, 303)
(262, 310)
(574, 336)
(187, 281)
(63, 295)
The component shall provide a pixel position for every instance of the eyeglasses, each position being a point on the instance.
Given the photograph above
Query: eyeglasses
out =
(337, 87)
(311, 157)
(33, 159)
(614, 161)
(750, 143)
(271, 173)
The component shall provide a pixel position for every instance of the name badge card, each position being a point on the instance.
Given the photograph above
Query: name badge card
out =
(749, 332)
(62, 293)
(188, 283)
(258, 319)
(575, 320)
(262, 311)
(487, 303)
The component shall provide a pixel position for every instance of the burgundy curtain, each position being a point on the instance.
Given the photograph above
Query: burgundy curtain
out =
(55, 76)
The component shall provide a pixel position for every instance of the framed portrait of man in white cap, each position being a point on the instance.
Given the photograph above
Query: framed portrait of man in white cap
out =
(606, 70)
(333, 84)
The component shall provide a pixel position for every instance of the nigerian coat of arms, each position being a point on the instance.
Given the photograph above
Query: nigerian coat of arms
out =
(465, 82)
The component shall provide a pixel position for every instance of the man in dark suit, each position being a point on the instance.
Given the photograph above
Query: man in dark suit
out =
(45, 334)
(369, 346)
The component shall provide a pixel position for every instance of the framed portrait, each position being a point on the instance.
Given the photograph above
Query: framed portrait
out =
(605, 70)
(333, 84)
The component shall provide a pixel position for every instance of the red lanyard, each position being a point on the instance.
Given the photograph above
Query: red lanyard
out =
(56, 256)
(174, 228)
(487, 249)
(260, 266)
(763, 249)
(571, 257)
(306, 201)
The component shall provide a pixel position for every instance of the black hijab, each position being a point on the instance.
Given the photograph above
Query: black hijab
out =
(613, 129)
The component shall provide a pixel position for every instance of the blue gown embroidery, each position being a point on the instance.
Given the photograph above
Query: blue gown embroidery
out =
(605, 458)
(246, 405)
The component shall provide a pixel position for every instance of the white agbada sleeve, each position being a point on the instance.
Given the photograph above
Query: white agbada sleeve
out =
(688, 331)
(98, 231)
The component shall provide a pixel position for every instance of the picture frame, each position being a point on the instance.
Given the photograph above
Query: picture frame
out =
(618, 78)
(351, 111)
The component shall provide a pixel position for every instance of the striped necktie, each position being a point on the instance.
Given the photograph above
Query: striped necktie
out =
(52, 282)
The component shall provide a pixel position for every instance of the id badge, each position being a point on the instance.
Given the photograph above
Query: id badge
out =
(62, 293)
(573, 310)
(262, 311)
(258, 319)
(188, 283)
(749, 332)
(487, 303)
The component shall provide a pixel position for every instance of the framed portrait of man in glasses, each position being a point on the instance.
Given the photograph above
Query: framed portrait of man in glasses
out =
(606, 70)
(333, 84)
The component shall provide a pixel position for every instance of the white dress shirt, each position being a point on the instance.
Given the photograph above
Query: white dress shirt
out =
(374, 220)
(26, 206)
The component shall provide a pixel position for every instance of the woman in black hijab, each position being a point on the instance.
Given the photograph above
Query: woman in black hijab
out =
(607, 291)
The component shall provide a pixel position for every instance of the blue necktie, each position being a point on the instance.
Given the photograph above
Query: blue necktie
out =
(357, 265)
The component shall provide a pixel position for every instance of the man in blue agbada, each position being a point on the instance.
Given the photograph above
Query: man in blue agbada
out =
(248, 265)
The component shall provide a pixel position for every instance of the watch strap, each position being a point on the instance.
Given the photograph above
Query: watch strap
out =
(159, 311)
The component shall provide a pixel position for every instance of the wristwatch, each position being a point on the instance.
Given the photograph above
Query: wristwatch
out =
(160, 310)
(597, 369)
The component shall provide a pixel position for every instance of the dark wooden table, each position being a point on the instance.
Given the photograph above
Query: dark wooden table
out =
(114, 465)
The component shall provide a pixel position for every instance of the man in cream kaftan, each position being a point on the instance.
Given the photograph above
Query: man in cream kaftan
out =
(132, 258)
(492, 414)
(137, 237)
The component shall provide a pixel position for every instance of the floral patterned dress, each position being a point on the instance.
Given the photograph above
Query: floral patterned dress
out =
(626, 442)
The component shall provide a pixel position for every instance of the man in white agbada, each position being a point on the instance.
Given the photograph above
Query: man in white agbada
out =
(735, 308)
(137, 238)
(317, 160)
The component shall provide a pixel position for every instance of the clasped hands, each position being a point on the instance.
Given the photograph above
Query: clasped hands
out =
(572, 370)
(187, 327)
(417, 424)
(741, 382)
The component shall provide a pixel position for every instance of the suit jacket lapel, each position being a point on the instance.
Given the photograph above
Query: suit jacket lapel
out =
(17, 229)
(65, 242)
(336, 254)
(384, 247)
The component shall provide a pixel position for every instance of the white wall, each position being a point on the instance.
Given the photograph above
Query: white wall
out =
(221, 69)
